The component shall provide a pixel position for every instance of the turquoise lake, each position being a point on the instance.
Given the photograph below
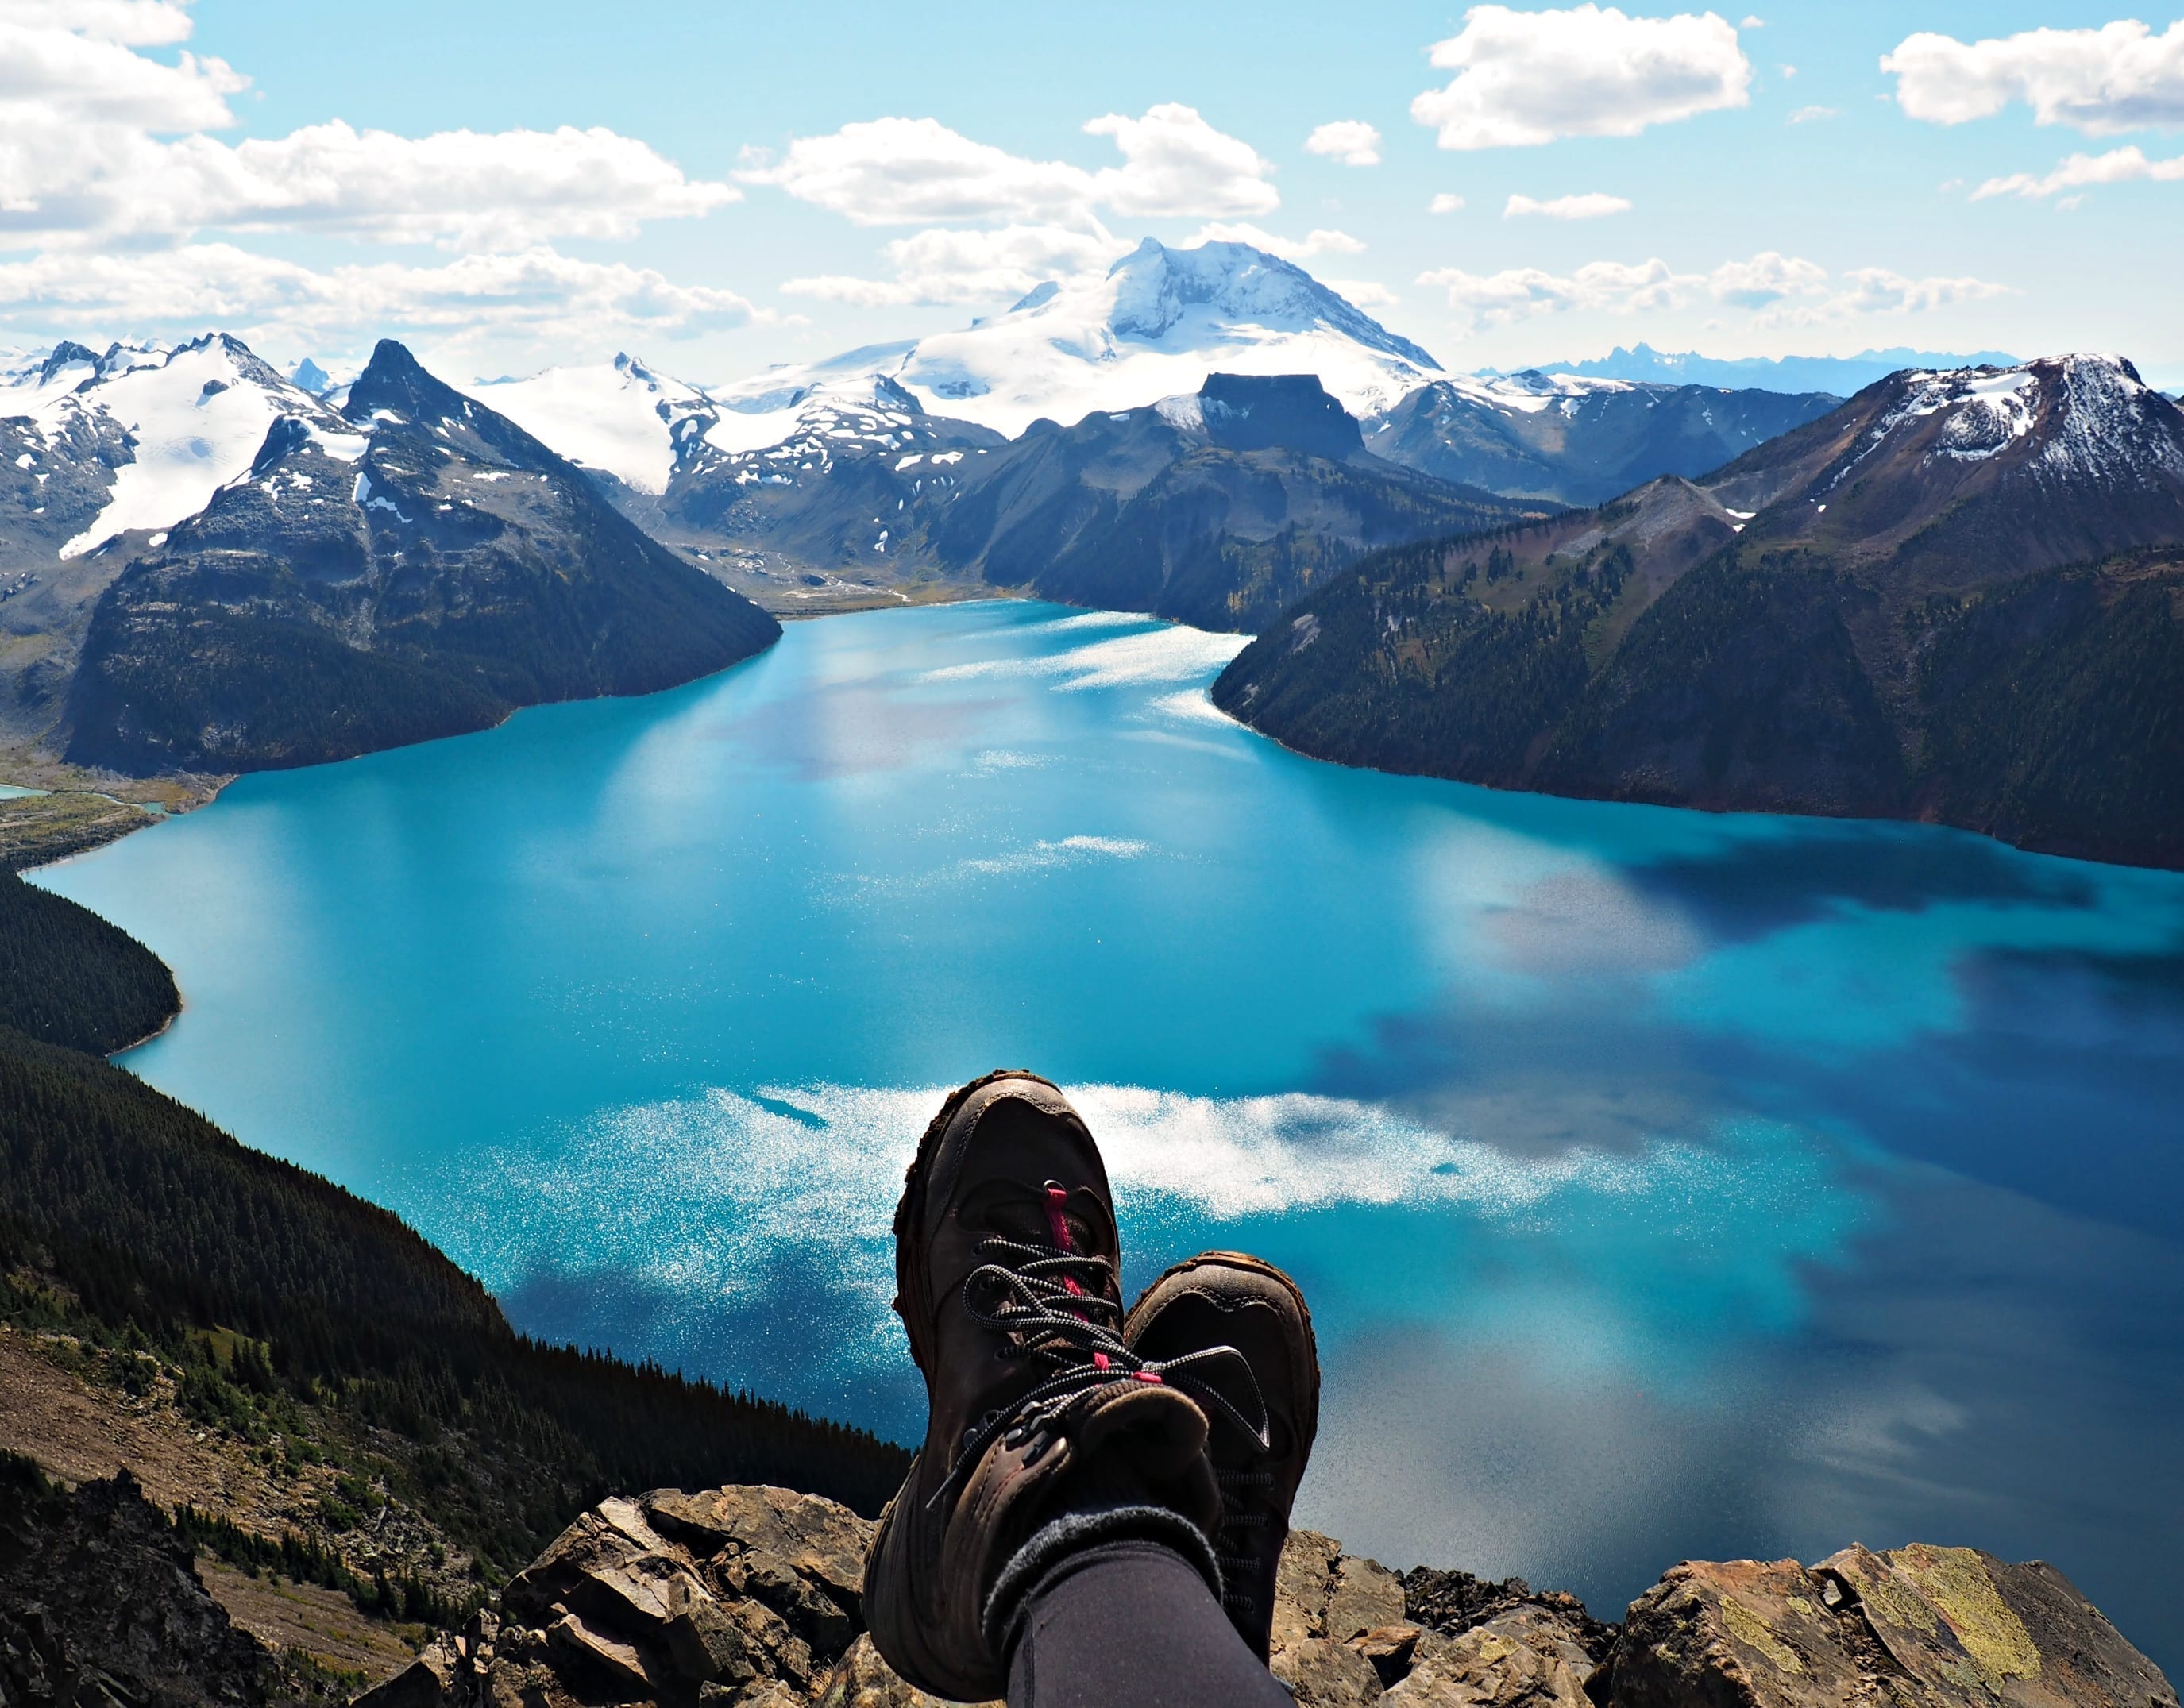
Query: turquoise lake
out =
(1664, 1185)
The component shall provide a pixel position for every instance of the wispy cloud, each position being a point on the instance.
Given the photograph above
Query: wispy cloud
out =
(1786, 290)
(2125, 165)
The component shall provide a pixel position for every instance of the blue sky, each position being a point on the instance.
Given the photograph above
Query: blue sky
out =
(1750, 229)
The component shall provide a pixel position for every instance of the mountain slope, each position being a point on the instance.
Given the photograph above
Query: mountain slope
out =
(1959, 597)
(415, 566)
(1217, 509)
(1578, 440)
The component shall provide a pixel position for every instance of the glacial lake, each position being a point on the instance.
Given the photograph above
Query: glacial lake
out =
(1665, 1185)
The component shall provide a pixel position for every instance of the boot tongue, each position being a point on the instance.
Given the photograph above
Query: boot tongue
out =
(1029, 1219)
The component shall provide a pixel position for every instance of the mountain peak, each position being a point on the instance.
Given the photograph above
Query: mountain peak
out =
(1156, 286)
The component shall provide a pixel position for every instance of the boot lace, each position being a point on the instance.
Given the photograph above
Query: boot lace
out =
(1055, 1303)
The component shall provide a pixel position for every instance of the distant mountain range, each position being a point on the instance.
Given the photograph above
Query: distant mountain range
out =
(1841, 375)
(1575, 440)
(1958, 596)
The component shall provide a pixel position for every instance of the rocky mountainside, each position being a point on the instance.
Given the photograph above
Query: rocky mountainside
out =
(1934, 480)
(100, 1602)
(1575, 440)
(413, 566)
(1959, 597)
(1217, 507)
(751, 1597)
(836, 501)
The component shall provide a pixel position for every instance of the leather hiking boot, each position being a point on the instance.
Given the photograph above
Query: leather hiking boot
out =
(1220, 1300)
(1045, 1433)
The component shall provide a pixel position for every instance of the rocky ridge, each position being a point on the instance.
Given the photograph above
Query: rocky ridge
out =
(750, 1598)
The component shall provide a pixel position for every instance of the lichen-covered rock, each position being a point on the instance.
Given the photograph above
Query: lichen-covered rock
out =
(1526, 1657)
(1924, 1626)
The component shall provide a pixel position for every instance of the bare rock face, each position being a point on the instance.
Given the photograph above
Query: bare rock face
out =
(738, 1597)
(753, 1597)
(1919, 1626)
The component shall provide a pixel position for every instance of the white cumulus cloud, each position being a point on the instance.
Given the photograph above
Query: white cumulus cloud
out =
(1592, 206)
(950, 265)
(915, 171)
(134, 23)
(2118, 77)
(1445, 202)
(2082, 171)
(1313, 242)
(1350, 141)
(1178, 165)
(100, 143)
(1525, 78)
(1765, 278)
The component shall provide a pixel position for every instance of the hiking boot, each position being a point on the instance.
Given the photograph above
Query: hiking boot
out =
(1225, 1300)
(1045, 1433)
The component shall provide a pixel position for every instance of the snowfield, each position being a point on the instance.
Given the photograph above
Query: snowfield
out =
(619, 417)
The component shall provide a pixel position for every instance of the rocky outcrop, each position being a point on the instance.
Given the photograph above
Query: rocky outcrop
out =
(753, 1597)
(100, 1604)
(1921, 1625)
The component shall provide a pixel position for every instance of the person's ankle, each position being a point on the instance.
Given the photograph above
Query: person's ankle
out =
(1081, 1537)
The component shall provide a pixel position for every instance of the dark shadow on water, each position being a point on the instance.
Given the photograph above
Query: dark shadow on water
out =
(1749, 889)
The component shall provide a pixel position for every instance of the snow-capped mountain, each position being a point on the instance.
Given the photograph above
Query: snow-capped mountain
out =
(1153, 325)
(415, 565)
(1995, 470)
(137, 438)
(1576, 439)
